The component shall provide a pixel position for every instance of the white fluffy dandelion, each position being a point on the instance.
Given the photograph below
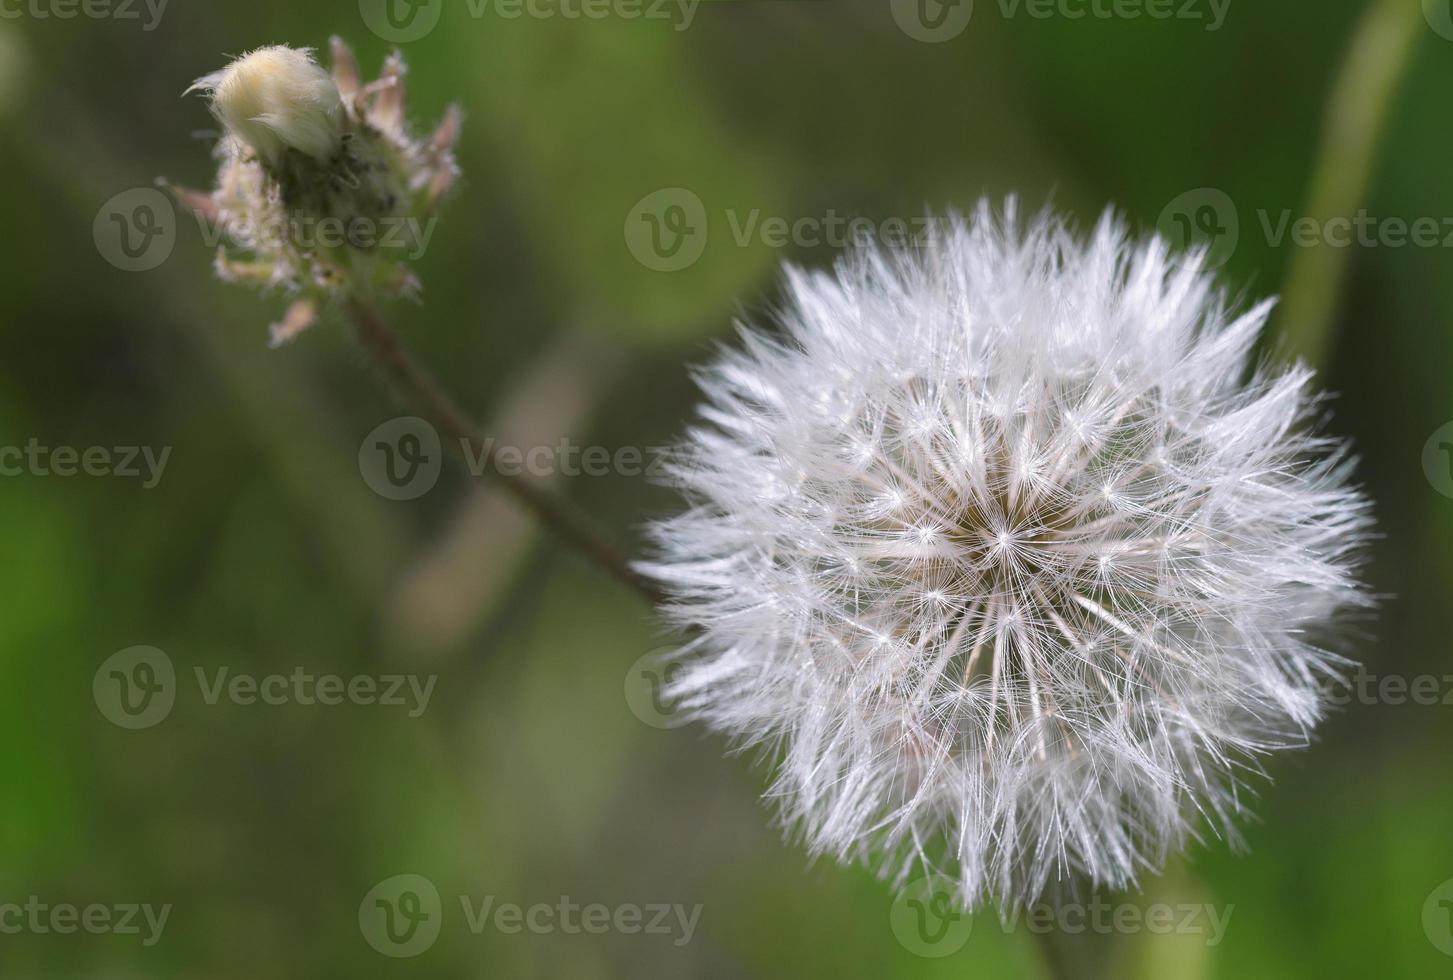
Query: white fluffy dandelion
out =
(1007, 557)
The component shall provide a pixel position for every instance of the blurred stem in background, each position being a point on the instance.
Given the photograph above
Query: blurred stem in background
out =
(469, 567)
(417, 388)
(1355, 119)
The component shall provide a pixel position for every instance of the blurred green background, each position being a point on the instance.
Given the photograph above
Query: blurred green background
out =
(530, 777)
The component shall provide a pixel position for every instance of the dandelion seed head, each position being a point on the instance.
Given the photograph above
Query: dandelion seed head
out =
(1052, 572)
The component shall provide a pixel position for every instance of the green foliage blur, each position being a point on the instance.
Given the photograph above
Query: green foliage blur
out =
(262, 549)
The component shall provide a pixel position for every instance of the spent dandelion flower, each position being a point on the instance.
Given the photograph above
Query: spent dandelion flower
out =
(1009, 557)
(324, 192)
(322, 189)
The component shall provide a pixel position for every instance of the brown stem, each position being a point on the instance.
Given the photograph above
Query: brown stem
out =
(417, 388)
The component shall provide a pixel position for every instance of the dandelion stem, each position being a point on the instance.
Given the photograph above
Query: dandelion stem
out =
(416, 388)
(1356, 115)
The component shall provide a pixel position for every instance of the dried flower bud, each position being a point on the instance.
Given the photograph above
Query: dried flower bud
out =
(320, 181)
